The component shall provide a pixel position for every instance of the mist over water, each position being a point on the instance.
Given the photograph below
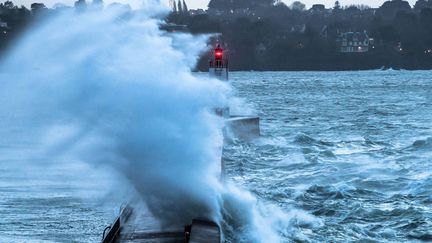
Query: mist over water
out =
(98, 104)
(105, 100)
(108, 89)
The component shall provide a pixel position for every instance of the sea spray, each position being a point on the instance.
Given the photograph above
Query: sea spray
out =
(247, 219)
(108, 88)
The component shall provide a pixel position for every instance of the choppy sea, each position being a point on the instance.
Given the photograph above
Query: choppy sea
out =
(354, 149)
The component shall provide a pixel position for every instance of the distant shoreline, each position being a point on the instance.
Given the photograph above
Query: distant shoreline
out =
(269, 35)
(358, 70)
(318, 70)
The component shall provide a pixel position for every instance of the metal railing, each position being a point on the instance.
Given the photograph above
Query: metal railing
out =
(114, 228)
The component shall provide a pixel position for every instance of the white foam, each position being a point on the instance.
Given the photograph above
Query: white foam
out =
(111, 90)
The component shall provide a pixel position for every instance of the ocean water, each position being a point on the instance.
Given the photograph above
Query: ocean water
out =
(352, 149)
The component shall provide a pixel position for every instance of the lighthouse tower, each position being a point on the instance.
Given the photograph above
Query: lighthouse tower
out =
(218, 64)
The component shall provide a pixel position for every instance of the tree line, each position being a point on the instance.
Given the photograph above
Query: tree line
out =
(14, 20)
(269, 35)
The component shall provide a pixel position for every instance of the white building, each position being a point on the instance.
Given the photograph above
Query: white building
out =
(353, 42)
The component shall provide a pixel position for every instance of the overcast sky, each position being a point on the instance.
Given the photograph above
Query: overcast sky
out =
(203, 3)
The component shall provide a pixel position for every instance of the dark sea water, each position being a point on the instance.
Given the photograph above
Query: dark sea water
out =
(353, 149)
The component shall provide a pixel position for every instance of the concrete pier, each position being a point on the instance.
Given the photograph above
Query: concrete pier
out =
(243, 128)
(135, 224)
(204, 231)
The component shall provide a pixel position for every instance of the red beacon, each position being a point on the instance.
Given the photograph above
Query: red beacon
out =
(218, 52)
(218, 65)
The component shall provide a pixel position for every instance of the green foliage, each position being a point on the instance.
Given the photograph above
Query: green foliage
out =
(267, 35)
(239, 4)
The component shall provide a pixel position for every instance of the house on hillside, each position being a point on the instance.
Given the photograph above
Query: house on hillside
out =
(298, 28)
(353, 42)
(4, 28)
(199, 11)
(3, 24)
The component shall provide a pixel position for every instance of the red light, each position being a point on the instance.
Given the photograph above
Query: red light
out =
(218, 53)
